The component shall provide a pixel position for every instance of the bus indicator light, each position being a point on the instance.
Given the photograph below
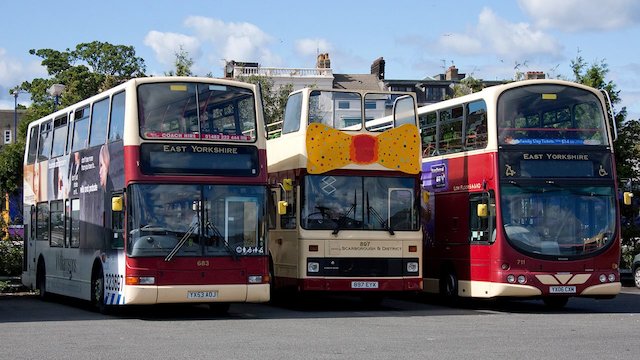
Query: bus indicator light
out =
(413, 248)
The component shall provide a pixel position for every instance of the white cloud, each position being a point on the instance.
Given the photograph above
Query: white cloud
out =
(311, 47)
(580, 15)
(234, 41)
(13, 71)
(495, 35)
(166, 45)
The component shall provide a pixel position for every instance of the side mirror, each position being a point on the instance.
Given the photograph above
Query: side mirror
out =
(282, 207)
(482, 210)
(116, 203)
(287, 184)
(627, 197)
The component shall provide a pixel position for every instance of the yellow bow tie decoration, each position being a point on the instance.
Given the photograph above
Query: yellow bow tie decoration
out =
(395, 149)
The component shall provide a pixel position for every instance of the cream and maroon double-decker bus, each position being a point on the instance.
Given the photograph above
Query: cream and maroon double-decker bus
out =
(519, 193)
(151, 192)
(346, 193)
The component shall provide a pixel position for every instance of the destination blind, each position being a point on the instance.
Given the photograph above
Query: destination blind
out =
(199, 159)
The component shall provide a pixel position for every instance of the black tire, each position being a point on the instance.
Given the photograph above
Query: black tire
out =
(41, 281)
(555, 302)
(636, 276)
(97, 292)
(449, 285)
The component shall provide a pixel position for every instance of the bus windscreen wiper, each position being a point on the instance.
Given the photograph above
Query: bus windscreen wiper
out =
(219, 237)
(344, 218)
(183, 240)
(376, 214)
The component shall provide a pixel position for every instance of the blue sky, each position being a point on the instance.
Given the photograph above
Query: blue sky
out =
(417, 38)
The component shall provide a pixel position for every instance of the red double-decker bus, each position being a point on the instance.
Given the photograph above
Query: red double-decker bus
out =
(519, 194)
(151, 192)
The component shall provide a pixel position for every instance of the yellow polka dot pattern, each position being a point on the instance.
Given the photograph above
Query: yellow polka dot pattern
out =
(327, 149)
(399, 149)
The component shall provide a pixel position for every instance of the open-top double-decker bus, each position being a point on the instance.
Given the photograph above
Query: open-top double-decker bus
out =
(347, 194)
(151, 192)
(519, 193)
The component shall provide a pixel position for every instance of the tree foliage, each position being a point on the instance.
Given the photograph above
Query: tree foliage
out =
(85, 71)
(274, 98)
(183, 64)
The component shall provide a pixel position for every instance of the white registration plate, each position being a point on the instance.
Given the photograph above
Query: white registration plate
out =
(562, 289)
(202, 294)
(364, 284)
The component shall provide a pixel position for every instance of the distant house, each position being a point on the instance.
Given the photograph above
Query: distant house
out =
(7, 118)
(428, 90)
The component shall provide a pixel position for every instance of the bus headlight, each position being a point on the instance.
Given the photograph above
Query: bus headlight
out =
(603, 278)
(612, 277)
(313, 267)
(255, 279)
(522, 279)
(412, 267)
(511, 278)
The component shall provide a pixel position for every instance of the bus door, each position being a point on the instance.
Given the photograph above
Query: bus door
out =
(481, 234)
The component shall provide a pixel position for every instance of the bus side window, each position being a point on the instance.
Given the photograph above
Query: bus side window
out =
(44, 150)
(99, 118)
(116, 122)
(56, 224)
(42, 222)
(59, 136)
(476, 125)
(428, 129)
(450, 135)
(482, 224)
(292, 114)
(33, 144)
(80, 129)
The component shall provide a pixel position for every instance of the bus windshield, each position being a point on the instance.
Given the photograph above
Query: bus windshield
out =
(550, 115)
(195, 220)
(196, 111)
(357, 202)
(558, 221)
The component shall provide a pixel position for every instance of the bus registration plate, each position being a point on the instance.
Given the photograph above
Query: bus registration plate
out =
(562, 289)
(364, 284)
(202, 294)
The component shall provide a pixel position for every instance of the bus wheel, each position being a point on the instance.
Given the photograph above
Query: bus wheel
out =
(41, 281)
(219, 308)
(636, 276)
(449, 285)
(97, 291)
(555, 302)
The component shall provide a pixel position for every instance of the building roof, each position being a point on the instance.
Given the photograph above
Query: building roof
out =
(357, 82)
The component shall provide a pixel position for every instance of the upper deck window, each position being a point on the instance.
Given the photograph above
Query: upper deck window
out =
(196, 111)
(44, 150)
(550, 115)
(325, 108)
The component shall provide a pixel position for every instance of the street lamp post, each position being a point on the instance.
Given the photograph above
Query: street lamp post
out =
(15, 92)
(56, 90)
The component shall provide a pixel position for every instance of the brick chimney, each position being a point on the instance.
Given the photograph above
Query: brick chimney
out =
(452, 73)
(377, 68)
(323, 61)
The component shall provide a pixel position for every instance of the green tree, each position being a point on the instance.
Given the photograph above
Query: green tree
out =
(626, 147)
(183, 64)
(467, 86)
(85, 71)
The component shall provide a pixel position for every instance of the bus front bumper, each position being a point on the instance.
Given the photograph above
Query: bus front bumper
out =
(139, 295)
